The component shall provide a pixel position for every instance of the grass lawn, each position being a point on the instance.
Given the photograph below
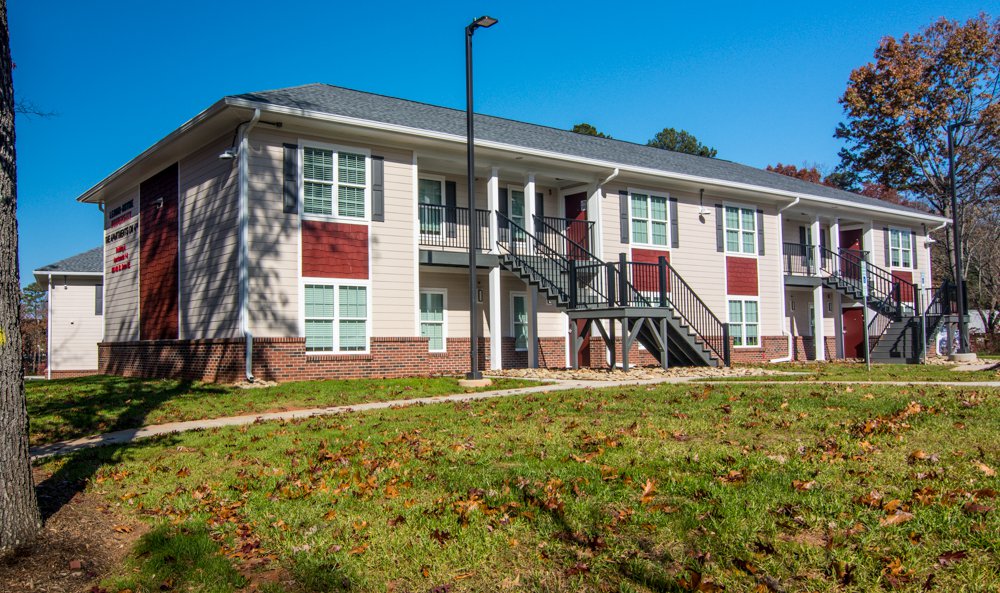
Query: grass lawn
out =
(669, 488)
(841, 371)
(69, 408)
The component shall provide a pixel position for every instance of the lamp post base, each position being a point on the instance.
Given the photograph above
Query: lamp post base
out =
(480, 381)
(963, 357)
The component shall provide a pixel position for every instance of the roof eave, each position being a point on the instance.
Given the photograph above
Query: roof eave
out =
(91, 196)
(421, 132)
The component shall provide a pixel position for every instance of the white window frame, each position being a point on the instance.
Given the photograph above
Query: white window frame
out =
(444, 202)
(744, 299)
(908, 247)
(334, 206)
(444, 316)
(336, 283)
(510, 210)
(726, 229)
(649, 193)
(513, 323)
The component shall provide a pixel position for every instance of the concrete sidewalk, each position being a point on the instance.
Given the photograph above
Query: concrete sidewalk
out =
(133, 434)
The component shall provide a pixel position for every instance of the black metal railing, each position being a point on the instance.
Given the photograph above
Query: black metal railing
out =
(550, 269)
(576, 236)
(886, 293)
(443, 226)
(799, 259)
(943, 300)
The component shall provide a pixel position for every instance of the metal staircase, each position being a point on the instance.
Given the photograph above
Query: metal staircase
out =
(655, 306)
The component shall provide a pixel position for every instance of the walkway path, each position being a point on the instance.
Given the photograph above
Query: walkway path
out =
(134, 434)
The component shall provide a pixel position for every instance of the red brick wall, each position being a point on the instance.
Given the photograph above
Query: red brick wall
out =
(649, 280)
(636, 356)
(804, 348)
(285, 359)
(771, 347)
(158, 256)
(333, 250)
(71, 374)
(741, 276)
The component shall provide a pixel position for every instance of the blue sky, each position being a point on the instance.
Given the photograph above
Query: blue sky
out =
(757, 81)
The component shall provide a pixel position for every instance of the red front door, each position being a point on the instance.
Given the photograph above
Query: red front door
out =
(576, 225)
(851, 242)
(854, 332)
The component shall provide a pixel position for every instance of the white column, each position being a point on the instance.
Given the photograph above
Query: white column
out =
(594, 205)
(818, 337)
(493, 204)
(496, 329)
(529, 204)
(533, 327)
(838, 315)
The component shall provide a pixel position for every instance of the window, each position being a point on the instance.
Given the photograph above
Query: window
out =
(741, 230)
(432, 319)
(431, 193)
(517, 212)
(334, 182)
(336, 318)
(519, 320)
(744, 324)
(649, 219)
(900, 253)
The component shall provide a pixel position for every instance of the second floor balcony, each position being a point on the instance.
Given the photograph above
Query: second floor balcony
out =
(803, 259)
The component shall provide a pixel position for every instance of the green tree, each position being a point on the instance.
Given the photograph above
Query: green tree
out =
(680, 141)
(588, 130)
(19, 517)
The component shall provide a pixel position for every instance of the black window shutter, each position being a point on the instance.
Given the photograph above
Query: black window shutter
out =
(99, 299)
(803, 237)
(623, 214)
(720, 232)
(450, 203)
(540, 205)
(291, 179)
(502, 228)
(378, 189)
(885, 241)
(913, 249)
(675, 238)
(760, 232)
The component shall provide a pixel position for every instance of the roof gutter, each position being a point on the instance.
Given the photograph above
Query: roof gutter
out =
(243, 147)
(460, 139)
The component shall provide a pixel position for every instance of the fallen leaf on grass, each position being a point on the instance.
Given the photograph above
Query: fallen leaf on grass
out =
(989, 471)
(972, 507)
(952, 557)
(647, 491)
(329, 515)
(122, 529)
(896, 519)
(733, 477)
(358, 550)
(802, 486)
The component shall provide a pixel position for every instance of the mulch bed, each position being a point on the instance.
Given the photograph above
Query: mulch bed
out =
(82, 542)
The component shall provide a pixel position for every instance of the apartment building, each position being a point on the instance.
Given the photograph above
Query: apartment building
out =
(317, 231)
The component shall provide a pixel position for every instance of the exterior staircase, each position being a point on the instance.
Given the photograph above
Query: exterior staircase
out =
(655, 306)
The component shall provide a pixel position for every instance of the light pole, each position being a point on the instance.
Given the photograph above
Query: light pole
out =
(963, 323)
(474, 372)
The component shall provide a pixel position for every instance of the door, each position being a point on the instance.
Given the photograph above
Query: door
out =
(430, 195)
(852, 247)
(854, 332)
(577, 227)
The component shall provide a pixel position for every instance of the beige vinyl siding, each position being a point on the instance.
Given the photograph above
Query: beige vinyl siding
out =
(209, 244)
(456, 283)
(770, 275)
(275, 251)
(74, 328)
(552, 322)
(121, 302)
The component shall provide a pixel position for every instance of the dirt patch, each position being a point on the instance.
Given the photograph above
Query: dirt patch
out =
(82, 542)
(636, 373)
(806, 538)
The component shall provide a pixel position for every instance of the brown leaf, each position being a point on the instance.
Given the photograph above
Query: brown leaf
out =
(183, 472)
(896, 519)
(973, 507)
(358, 550)
(802, 486)
(733, 477)
(122, 529)
(440, 536)
(330, 515)
(989, 471)
(647, 491)
(952, 557)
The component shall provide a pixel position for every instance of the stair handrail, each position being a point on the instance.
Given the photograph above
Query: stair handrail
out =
(532, 247)
(943, 301)
(547, 221)
(883, 287)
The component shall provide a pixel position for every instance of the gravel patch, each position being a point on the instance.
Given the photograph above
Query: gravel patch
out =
(635, 373)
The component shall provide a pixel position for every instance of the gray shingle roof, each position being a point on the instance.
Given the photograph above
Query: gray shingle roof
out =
(86, 262)
(346, 102)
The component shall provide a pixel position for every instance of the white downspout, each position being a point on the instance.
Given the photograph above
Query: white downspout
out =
(244, 259)
(787, 330)
(609, 179)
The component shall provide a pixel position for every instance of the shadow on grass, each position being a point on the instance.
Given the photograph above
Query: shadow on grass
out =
(69, 408)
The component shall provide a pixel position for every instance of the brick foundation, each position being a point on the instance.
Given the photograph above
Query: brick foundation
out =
(71, 374)
(636, 356)
(805, 348)
(285, 359)
(771, 347)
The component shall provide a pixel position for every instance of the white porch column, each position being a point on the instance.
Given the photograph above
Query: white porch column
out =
(533, 327)
(818, 335)
(594, 205)
(493, 204)
(496, 328)
(529, 203)
(838, 315)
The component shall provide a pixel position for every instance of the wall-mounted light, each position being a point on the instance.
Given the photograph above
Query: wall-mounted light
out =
(479, 296)
(158, 202)
(791, 303)
(228, 154)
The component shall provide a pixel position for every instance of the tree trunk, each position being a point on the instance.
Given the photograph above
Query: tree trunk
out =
(19, 517)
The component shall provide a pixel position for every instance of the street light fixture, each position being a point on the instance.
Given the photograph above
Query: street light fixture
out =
(963, 322)
(474, 373)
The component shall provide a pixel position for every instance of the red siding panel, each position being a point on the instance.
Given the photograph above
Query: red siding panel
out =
(741, 276)
(645, 278)
(906, 292)
(158, 256)
(332, 250)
